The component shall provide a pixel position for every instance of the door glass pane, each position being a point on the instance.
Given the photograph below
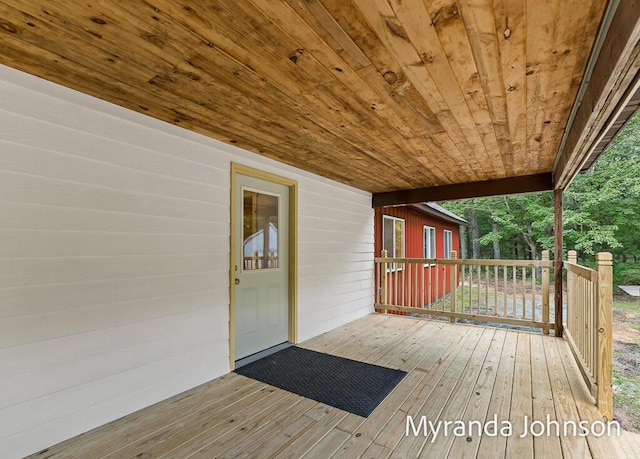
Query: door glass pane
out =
(260, 230)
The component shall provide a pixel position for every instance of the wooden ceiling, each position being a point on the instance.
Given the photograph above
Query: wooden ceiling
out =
(382, 95)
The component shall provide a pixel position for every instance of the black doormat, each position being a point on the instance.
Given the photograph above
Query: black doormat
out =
(350, 385)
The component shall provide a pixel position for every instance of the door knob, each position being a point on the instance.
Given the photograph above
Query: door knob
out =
(237, 281)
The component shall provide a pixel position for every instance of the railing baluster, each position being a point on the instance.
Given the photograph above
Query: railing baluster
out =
(445, 270)
(453, 286)
(504, 293)
(430, 289)
(591, 326)
(462, 282)
(581, 308)
(436, 300)
(524, 288)
(378, 283)
(403, 282)
(418, 286)
(470, 289)
(533, 293)
(409, 284)
(495, 290)
(395, 282)
(419, 280)
(486, 291)
(479, 288)
(415, 285)
(545, 292)
(513, 281)
(421, 293)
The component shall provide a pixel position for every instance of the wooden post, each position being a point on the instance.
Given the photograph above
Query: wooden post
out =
(574, 307)
(557, 261)
(545, 292)
(383, 280)
(604, 372)
(453, 274)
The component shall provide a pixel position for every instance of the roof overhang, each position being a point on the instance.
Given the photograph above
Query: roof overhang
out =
(610, 96)
(434, 210)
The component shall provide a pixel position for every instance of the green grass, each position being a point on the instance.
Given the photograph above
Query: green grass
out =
(626, 395)
(633, 306)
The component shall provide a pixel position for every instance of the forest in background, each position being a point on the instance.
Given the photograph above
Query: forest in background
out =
(601, 214)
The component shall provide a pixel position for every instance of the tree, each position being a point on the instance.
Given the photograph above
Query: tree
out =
(601, 211)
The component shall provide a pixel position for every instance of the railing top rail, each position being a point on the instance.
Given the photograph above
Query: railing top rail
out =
(479, 262)
(582, 271)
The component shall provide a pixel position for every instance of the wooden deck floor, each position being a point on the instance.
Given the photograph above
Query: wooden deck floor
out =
(455, 372)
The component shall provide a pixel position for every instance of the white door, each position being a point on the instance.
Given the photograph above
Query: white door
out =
(261, 265)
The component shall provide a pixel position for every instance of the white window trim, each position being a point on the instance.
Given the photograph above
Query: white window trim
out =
(432, 230)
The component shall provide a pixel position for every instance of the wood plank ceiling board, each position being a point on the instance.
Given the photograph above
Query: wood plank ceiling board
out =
(552, 58)
(383, 95)
(510, 27)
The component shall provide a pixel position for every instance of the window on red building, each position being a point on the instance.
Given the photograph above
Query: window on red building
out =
(448, 241)
(429, 241)
(393, 237)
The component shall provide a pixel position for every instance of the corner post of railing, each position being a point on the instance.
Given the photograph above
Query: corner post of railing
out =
(604, 372)
(572, 257)
(383, 280)
(545, 292)
(453, 274)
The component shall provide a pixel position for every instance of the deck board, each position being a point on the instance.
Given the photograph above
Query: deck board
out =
(546, 445)
(565, 403)
(455, 372)
(521, 401)
(477, 408)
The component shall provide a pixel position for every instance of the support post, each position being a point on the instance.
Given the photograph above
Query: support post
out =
(453, 274)
(604, 372)
(573, 306)
(545, 292)
(557, 261)
(383, 280)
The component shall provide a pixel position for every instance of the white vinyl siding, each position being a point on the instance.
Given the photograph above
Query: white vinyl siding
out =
(114, 259)
(448, 238)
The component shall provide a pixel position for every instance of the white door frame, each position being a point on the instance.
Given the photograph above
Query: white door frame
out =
(238, 169)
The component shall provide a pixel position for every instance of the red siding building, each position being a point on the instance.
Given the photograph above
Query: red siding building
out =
(419, 231)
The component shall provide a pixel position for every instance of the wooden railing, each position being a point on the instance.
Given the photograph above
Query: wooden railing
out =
(260, 261)
(514, 292)
(588, 327)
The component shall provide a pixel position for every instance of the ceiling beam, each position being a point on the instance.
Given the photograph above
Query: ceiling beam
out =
(512, 185)
(609, 89)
